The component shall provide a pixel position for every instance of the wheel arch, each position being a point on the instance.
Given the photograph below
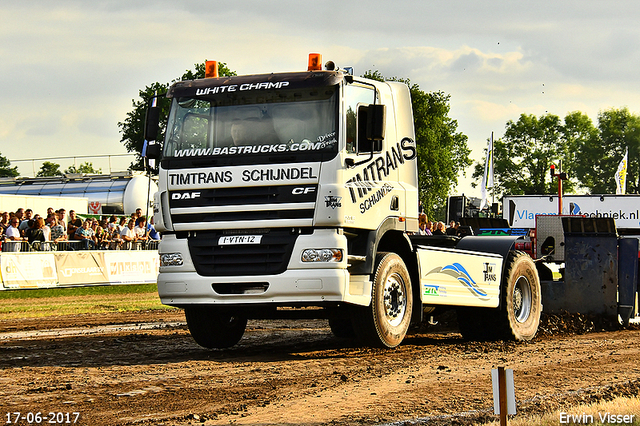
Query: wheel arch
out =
(390, 238)
(502, 245)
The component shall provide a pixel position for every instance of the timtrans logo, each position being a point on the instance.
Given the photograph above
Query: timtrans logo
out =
(458, 272)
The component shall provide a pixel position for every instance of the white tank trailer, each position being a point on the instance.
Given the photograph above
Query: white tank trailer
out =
(115, 193)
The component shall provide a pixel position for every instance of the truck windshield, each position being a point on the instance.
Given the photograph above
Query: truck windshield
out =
(244, 128)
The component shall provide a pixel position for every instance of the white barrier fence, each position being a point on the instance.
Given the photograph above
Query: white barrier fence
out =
(77, 268)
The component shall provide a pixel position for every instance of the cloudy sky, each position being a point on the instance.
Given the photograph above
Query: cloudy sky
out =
(69, 70)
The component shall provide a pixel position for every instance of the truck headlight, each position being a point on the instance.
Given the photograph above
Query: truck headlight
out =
(171, 259)
(322, 255)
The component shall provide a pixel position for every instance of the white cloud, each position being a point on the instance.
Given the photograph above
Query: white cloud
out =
(70, 68)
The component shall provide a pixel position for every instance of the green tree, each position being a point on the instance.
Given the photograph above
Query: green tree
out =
(523, 157)
(49, 169)
(132, 128)
(86, 168)
(580, 136)
(5, 168)
(442, 150)
(597, 158)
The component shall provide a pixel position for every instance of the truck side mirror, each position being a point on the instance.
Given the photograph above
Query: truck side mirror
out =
(152, 125)
(151, 129)
(371, 129)
(153, 151)
(376, 122)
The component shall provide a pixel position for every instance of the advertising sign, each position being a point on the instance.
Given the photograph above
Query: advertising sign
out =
(28, 270)
(77, 268)
(521, 210)
(123, 268)
(81, 267)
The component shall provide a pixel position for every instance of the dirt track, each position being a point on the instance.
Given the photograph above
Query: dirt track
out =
(286, 372)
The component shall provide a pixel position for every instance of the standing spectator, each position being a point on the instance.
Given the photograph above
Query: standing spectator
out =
(74, 223)
(453, 228)
(430, 227)
(12, 236)
(61, 219)
(4, 222)
(422, 225)
(19, 214)
(440, 229)
(116, 238)
(13, 233)
(102, 233)
(57, 231)
(46, 230)
(24, 224)
(27, 232)
(35, 233)
(151, 230)
(86, 234)
(113, 223)
(137, 215)
(141, 229)
(121, 225)
(128, 234)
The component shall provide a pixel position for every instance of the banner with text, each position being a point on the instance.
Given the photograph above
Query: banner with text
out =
(28, 270)
(77, 268)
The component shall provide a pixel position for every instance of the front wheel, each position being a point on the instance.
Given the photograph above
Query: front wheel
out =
(384, 323)
(212, 327)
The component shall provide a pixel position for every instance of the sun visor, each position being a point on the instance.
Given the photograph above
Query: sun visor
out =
(252, 83)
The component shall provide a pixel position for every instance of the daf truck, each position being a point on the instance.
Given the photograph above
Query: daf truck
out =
(295, 195)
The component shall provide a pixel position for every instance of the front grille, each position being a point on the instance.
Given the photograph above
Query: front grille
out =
(243, 204)
(243, 216)
(244, 196)
(269, 257)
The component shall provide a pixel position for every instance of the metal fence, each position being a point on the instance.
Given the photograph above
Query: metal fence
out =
(75, 245)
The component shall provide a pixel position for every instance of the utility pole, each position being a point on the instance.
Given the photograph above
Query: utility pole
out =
(561, 176)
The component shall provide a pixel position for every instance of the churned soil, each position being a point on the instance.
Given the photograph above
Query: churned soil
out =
(143, 368)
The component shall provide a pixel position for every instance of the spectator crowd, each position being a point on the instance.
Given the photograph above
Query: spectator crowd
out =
(55, 229)
(426, 227)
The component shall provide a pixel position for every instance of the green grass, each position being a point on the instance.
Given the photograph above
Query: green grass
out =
(78, 291)
(39, 303)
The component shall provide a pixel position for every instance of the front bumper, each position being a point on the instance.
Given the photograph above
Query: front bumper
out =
(291, 287)
(301, 283)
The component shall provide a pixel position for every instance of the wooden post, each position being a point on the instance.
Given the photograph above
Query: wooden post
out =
(502, 389)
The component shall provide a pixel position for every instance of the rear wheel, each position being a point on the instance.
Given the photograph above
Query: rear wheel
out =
(212, 327)
(521, 300)
(519, 316)
(384, 323)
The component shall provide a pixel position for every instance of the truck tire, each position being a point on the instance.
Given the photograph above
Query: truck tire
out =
(521, 298)
(384, 323)
(212, 327)
(521, 305)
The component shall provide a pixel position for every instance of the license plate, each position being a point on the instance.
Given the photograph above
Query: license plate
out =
(239, 239)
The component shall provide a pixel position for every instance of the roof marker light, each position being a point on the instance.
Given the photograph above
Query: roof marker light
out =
(211, 69)
(315, 62)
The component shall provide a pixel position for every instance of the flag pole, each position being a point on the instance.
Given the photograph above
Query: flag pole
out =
(493, 192)
(487, 178)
